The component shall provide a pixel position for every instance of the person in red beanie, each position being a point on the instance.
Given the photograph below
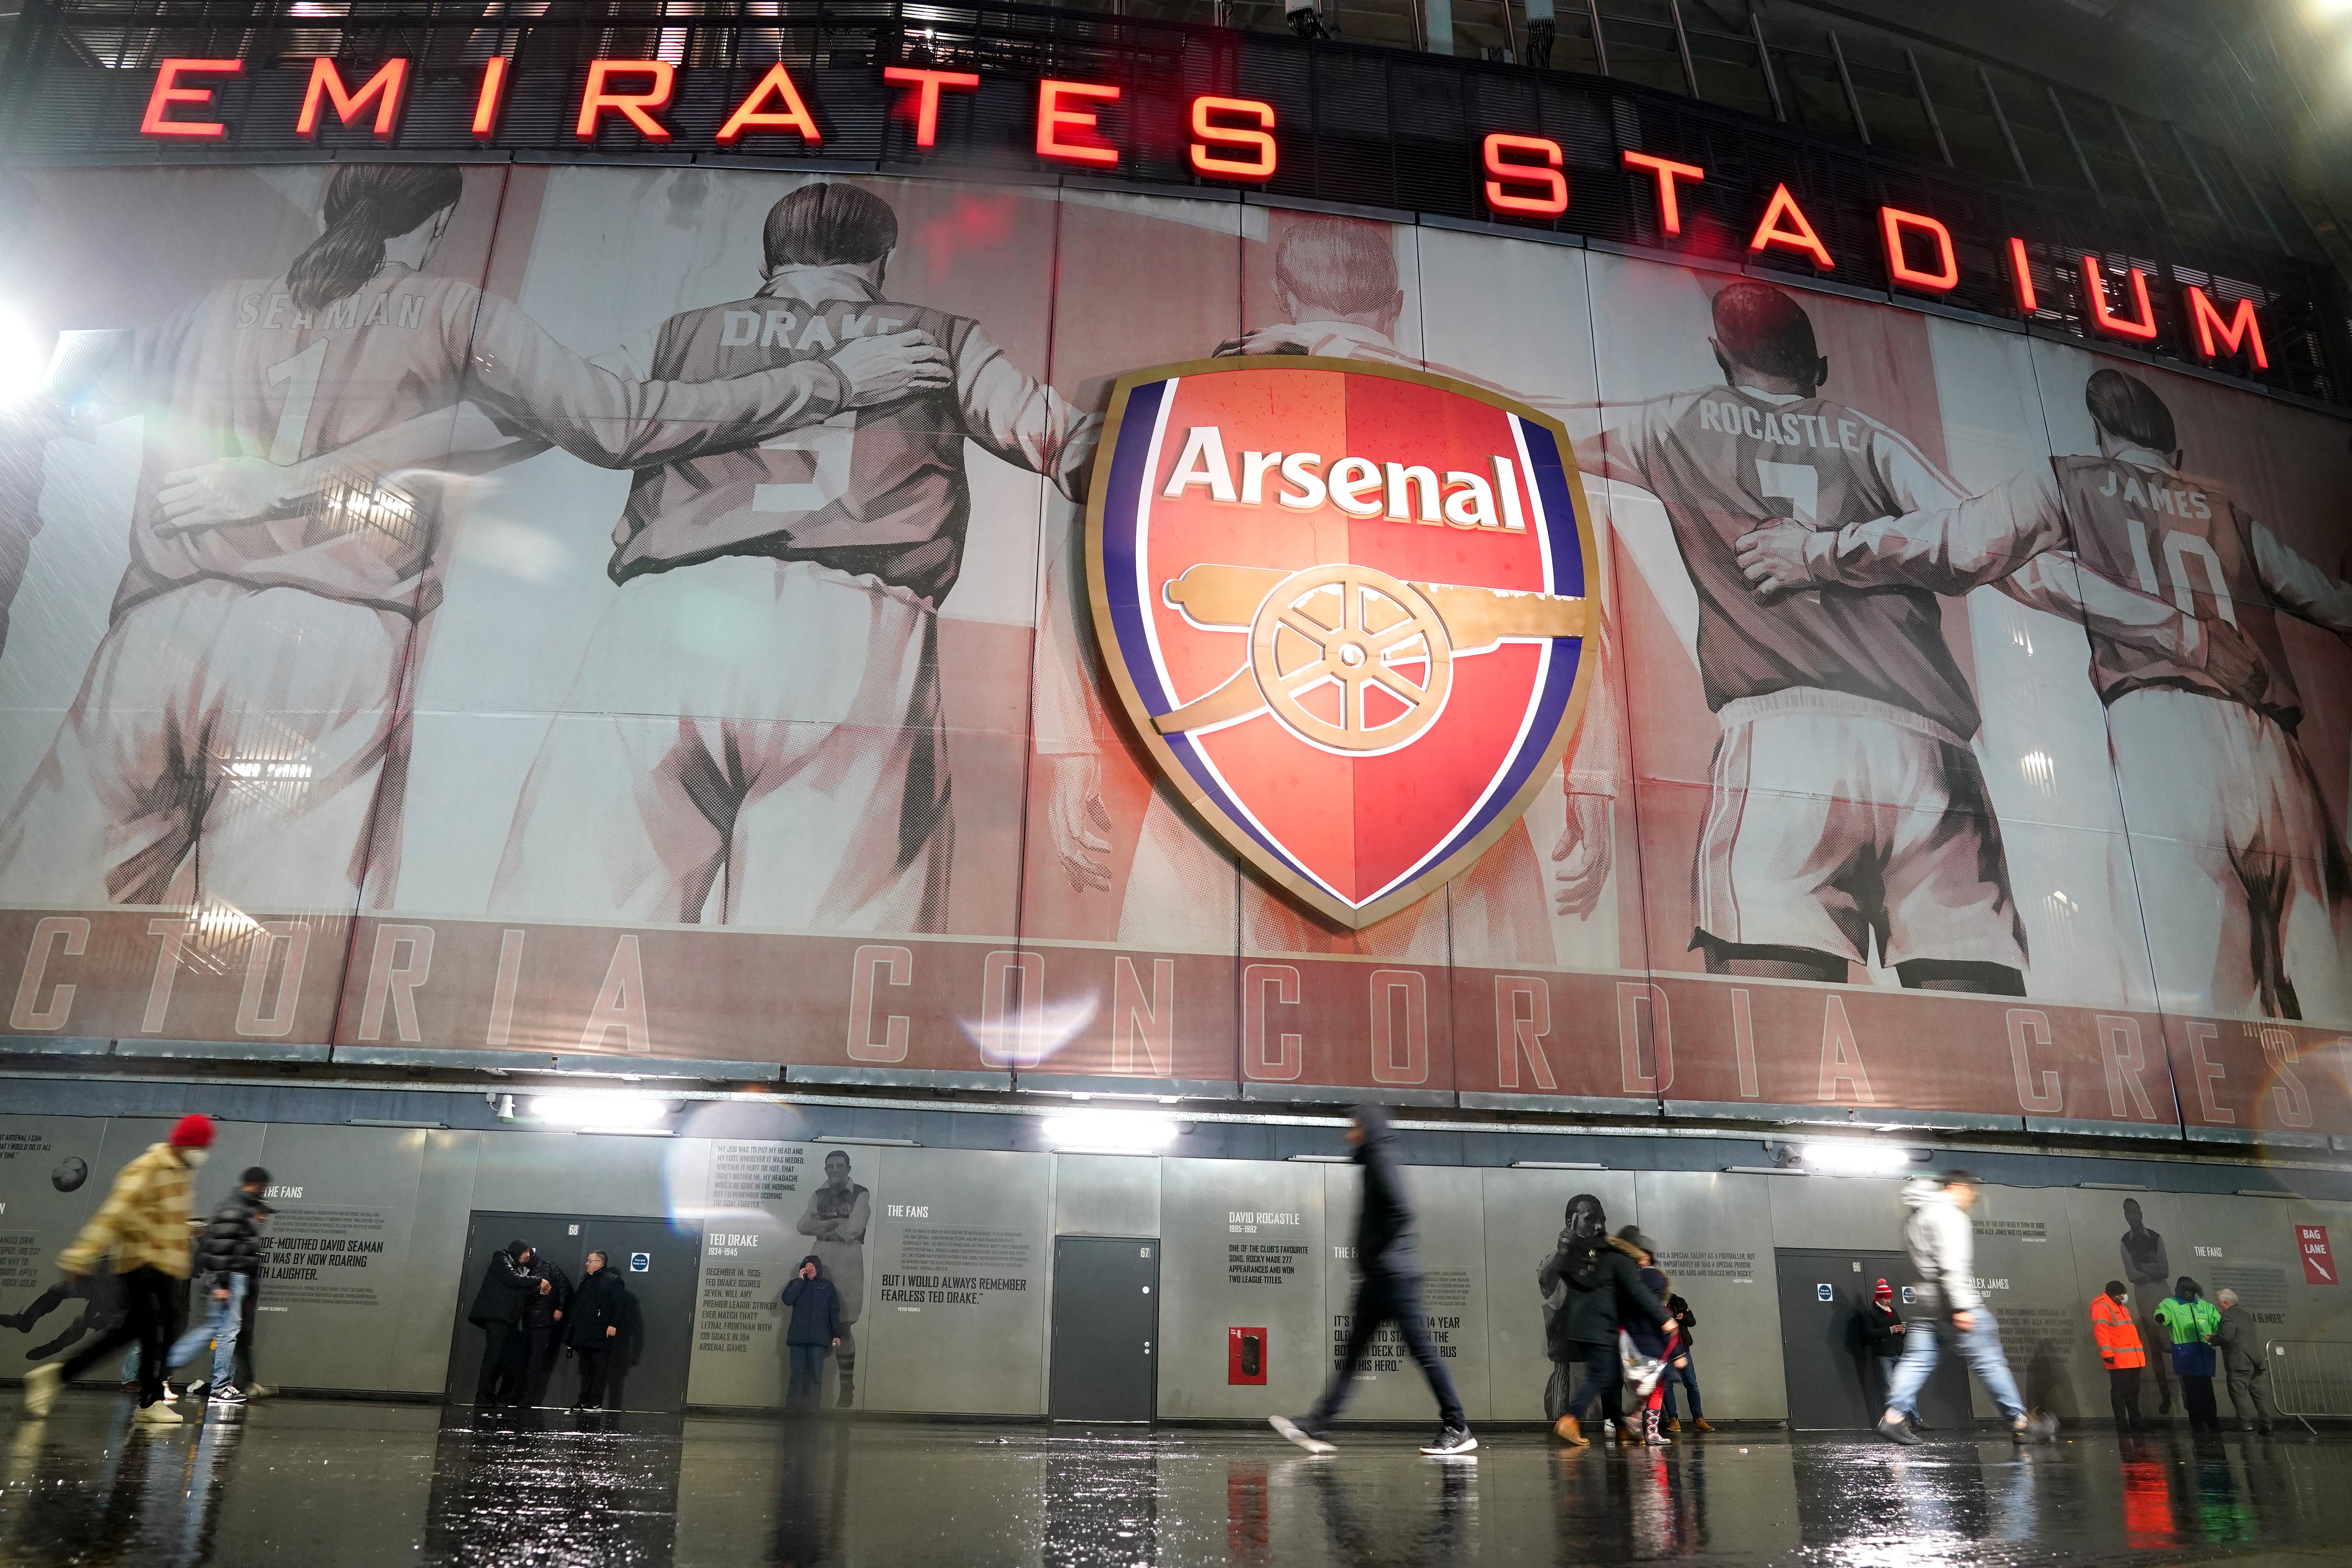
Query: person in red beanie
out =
(145, 1224)
(1883, 1331)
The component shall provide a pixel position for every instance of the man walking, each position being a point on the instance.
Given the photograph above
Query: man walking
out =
(2242, 1359)
(228, 1258)
(1943, 1247)
(1389, 1291)
(144, 1224)
(2121, 1350)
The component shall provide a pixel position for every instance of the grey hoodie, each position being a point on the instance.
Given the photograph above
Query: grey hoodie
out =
(1943, 1245)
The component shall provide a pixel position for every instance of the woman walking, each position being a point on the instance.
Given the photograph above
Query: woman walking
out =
(1599, 1287)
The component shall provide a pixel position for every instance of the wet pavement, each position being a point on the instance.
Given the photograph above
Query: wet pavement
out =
(304, 1481)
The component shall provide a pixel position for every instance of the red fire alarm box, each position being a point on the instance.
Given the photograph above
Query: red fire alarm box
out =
(1246, 1355)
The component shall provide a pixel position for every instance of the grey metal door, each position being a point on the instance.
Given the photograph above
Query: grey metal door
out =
(1106, 1328)
(1834, 1382)
(659, 1261)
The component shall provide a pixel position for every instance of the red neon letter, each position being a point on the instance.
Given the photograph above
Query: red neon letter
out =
(2239, 329)
(1053, 119)
(2094, 290)
(1546, 174)
(927, 85)
(1800, 237)
(1259, 144)
(637, 106)
(1948, 272)
(793, 116)
(326, 82)
(1670, 207)
(168, 92)
(494, 87)
(2022, 274)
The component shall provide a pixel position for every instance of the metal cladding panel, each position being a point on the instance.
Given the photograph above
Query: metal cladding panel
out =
(1241, 1246)
(340, 1270)
(754, 1198)
(1105, 1194)
(1449, 1226)
(1523, 1217)
(1711, 1231)
(437, 1290)
(960, 1283)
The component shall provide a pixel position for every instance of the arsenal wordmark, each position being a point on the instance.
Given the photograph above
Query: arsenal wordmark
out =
(1345, 606)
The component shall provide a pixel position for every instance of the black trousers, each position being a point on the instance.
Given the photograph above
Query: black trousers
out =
(1603, 1378)
(147, 1317)
(1387, 1299)
(2197, 1395)
(596, 1366)
(497, 1379)
(536, 1351)
(2123, 1395)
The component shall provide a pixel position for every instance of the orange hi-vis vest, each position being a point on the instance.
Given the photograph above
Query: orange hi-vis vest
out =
(2118, 1336)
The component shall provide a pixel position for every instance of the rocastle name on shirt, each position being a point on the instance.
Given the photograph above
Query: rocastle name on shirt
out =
(405, 311)
(2157, 497)
(1734, 418)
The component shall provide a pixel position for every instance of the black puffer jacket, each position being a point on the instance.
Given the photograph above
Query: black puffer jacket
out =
(1384, 1241)
(1604, 1291)
(596, 1306)
(231, 1242)
(538, 1308)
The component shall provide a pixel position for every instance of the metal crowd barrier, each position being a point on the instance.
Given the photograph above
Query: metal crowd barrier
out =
(2310, 1377)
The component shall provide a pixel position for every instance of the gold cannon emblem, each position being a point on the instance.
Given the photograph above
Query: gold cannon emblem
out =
(1353, 626)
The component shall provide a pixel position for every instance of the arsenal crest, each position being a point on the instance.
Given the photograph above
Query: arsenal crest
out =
(1344, 604)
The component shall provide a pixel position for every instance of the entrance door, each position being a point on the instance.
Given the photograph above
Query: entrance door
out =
(1106, 1328)
(658, 1261)
(1832, 1387)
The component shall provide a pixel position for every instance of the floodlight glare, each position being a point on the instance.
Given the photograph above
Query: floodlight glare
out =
(1855, 1158)
(1120, 1131)
(599, 1109)
(23, 365)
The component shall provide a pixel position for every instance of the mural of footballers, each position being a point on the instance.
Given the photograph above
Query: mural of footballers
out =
(794, 773)
(1848, 810)
(243, 715)
(2240, 868)
(836, 1222)
(1336, 285)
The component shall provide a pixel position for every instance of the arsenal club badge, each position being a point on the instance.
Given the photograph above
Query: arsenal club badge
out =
(1345, 606)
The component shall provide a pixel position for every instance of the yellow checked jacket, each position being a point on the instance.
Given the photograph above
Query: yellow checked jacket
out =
(143, 1222)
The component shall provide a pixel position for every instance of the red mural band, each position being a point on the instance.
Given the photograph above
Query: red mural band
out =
(1231, 139)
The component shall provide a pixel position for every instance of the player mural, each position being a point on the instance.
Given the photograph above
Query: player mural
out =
(643, 612)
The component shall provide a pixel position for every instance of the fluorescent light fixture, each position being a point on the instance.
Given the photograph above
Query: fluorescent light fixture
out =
(2113, 1186)
(1557, 1166)
(849, 1138)
(627, 1131)
(1766, 1171)
(1110, 1132)
(2267, 1193)
(1324, 1159)
(1853, 1157)
(381, 1121)
(603, 1112)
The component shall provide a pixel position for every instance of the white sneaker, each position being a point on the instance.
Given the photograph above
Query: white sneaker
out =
(41, 1386)
(159, 1414)
(1300, 1435)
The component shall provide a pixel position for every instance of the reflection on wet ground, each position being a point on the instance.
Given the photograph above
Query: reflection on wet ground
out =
(300, 1481)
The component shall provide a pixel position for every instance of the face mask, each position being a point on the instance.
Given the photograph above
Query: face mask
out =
(194, 1157)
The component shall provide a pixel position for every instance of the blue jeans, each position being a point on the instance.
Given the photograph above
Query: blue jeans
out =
(1981, 1345)
(806, 1391)
(222, 1321)
(1687, 1375)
